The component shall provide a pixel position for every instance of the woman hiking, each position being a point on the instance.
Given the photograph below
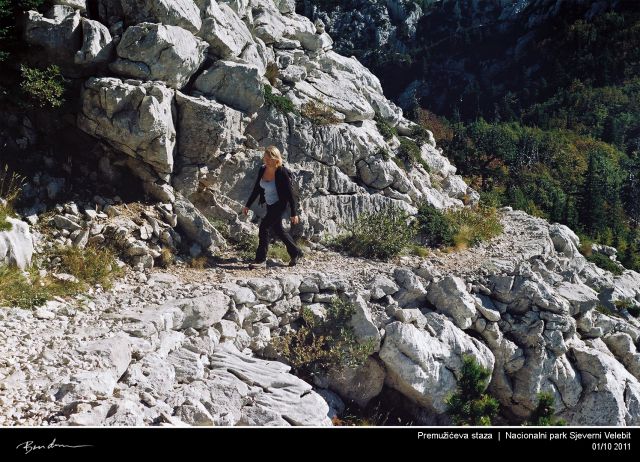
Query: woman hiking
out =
(273, 185)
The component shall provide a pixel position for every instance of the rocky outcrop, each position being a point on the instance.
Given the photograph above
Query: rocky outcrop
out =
(204, 140)
(150, 51)
(16, 244)
(135, 118)
(425, 365)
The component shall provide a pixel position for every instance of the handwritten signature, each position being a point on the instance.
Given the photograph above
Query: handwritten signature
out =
(29, 446)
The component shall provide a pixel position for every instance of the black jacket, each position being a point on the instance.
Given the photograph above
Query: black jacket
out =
(283, 186)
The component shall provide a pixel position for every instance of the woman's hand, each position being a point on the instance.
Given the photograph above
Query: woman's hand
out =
(295, 220)
(245, 210)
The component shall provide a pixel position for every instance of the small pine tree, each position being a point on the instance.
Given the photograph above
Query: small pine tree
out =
(470, 405)
(543, 415)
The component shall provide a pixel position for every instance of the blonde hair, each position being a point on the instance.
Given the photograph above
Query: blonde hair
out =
(274, 153)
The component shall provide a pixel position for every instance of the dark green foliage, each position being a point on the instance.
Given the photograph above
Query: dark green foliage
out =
(462, 228)
(409, 152)
(470, 405)
(323, 344)
(604, 310)
(43, 87)
(604, 262)
(556, 174)
(553, 129)
(433, 224)
(386, 130)
(380, 235)
(628, 304)
(281, 103)
(543, 415)
(384, 154)
(4, 214)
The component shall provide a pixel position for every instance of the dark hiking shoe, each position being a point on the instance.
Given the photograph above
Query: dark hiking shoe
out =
(294, 261)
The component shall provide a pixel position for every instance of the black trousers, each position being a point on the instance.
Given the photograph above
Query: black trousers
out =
(272, 222)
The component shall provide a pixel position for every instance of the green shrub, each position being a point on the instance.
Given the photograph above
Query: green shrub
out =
(604, 262)
(90, 265)
(473, 225)
(461, 228)
(470, 405)
(543, 415)
(409, 152)
(4, 214)
(604, 310)
(383, 154)
(43, 87)
(418, 250)
(629, 305)
(320, 345)
(32, 290)
(433, 224)
(380, 235)
(386, 130)
(281, 103)
(319, 113)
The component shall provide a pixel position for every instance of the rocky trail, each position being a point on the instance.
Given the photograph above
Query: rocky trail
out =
(181, 345)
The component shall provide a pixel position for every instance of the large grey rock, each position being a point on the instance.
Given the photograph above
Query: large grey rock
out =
(581, 297)
(183, 13)
(75, 4)
(126, 413)
(187, 365)
(360, 384)
(205, 128)
(152, 373)
(565, 241)
(266, 289)
(381, 285)
(364, 327)
(412, 292)
(16, 244)
(217, 400)
(202, 312)
(150, 51)
(87, 385)
(450, 297)
(240, 295)
(196, 226)
(234, 84)
(97, 44)
(622, 346)
(344, 96)
(225, 32)
(424, 367)
(113, 354)
(611, 394)
(279, 398)
(61, 38)
(137, 120)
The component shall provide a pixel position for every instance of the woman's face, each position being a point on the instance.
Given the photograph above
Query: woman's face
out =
(268, 160)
